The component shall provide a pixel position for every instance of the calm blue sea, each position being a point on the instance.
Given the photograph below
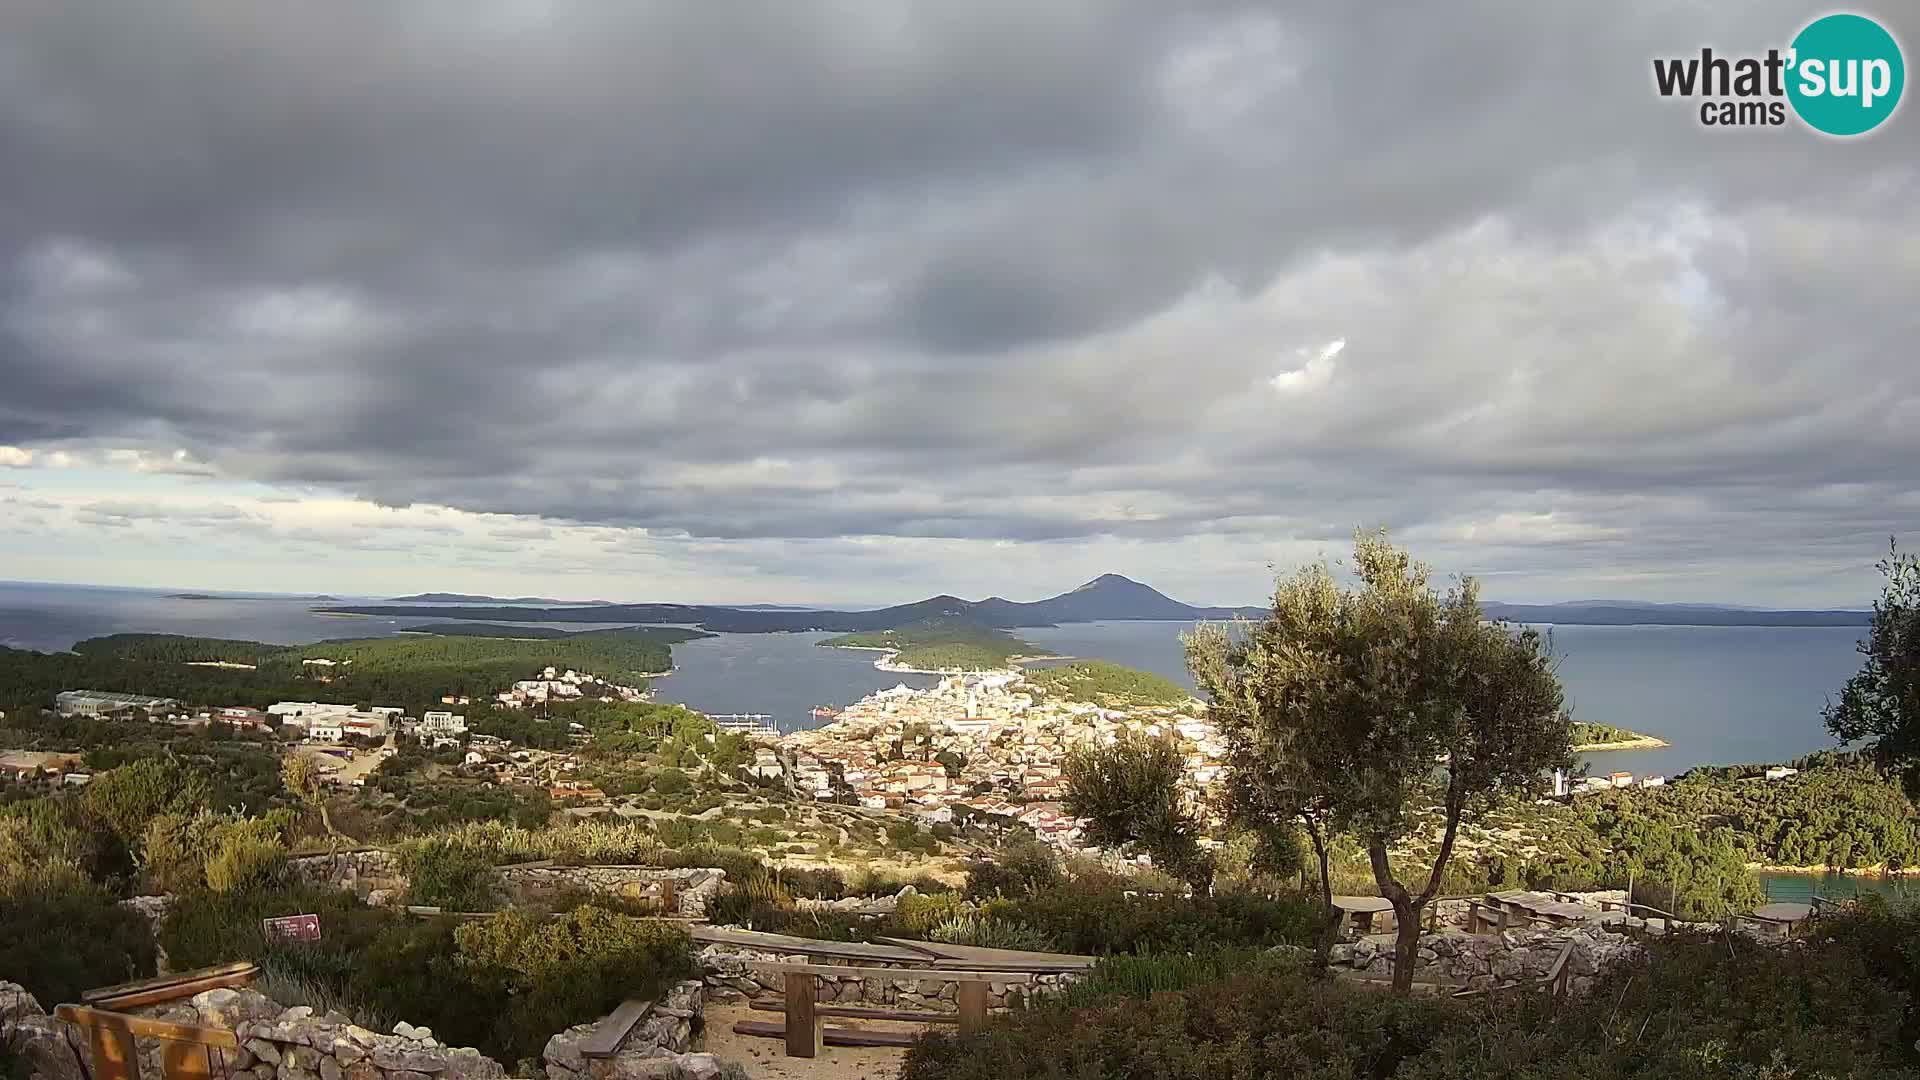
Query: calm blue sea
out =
(1720, 695)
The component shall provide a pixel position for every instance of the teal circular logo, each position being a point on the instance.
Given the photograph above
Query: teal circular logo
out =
(1847, 74)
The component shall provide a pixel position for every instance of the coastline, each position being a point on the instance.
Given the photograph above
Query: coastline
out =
(886, 663)
(1877, 870)
(1643, 742)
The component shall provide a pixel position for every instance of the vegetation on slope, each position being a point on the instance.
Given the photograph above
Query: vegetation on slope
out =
(941, 644)
(1587, 736)
(1106, 684)
(1688, 1007)
(410, 671)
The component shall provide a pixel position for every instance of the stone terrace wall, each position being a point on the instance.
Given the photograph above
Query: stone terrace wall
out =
(694, 887)
(376, 877)
(1481, 960)
(373, 875)
(729, 979)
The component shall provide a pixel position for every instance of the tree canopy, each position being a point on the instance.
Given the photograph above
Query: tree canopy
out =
(1358, 707)
(1130, 793)
(1881, 703)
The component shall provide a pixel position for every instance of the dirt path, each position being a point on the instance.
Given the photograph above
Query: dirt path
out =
(765, 1059)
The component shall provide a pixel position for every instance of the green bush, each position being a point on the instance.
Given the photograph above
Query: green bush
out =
(1839, 1005)
(1018, 869)
(207, 928)
(563, 971)
(61, 934)
(988, 932)
(242, 860)
(1097, 916)
(448, 874)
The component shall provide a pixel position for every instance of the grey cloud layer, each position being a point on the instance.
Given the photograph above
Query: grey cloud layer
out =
(985, 270)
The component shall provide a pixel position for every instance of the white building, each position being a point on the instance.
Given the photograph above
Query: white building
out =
(325, 731)
(310, 710)
(433, 724)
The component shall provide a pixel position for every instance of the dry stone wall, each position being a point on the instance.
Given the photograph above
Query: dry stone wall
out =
(1482, 960)
(377, 877)
(729, 979)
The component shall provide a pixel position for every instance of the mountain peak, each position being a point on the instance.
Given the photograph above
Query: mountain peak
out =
(1109, 581)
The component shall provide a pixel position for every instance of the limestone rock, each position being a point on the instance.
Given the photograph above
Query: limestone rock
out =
(266, 1051)
(230, 1007)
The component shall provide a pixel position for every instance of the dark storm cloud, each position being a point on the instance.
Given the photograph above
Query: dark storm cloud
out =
(992, 270)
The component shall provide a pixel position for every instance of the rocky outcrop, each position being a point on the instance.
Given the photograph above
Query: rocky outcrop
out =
(728, 978)
(1483, 960)
(38, 1040)
(657, 1044)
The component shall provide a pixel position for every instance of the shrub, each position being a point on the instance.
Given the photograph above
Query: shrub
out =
(61, 933)
(985, 931)
(1018, 869)
(1097, 916)
(449, 874)
(918, 915)
(567, 970)
(208, 928)
(1689, 1006)
(671, 782)
(129, 797)
(244, 860)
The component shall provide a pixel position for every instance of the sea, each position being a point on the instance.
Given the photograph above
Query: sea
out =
(1719, 695)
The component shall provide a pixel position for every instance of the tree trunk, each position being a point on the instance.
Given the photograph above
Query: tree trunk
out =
(1406, 914)
(1329, 915)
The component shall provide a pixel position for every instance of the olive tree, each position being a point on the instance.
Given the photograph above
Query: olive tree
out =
(1130, 794)
(1881, 702)
(1369, 710)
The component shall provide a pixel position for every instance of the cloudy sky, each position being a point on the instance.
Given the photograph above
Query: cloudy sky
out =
(855, 302)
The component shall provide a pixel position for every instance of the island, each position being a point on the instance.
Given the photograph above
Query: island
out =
(1106, 684)
(1590, 737)
(941, 646)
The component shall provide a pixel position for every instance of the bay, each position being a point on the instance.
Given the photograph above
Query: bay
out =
(1719, 695)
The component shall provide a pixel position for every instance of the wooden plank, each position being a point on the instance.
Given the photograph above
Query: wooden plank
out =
(140, 985)
(973, 1007)
(832, 1036)
(161, 994)
(799, 946)
(948, 974)
(145, 1028)
(605, 1038)
(980, 958)
(802, 1027)
(864, 1012)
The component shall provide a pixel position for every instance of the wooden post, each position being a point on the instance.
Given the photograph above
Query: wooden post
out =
(113, 1053)
(803, 1023)
(1502, 928)
(187, 1061)
(973, 1007)
(669, 897)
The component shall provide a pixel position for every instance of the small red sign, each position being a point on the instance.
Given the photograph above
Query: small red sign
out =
(292, 928)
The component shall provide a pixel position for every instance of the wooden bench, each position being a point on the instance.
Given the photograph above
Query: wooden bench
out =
(862, 1012)
(188, 1054)
(605, 1038)
(802, 1029)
